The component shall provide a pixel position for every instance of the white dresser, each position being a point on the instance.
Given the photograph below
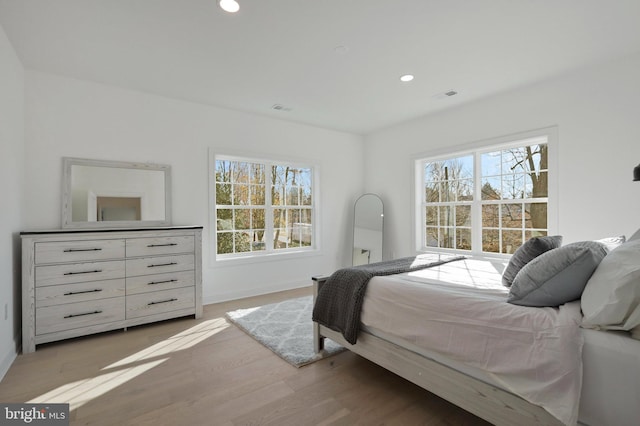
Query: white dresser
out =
(81, 282)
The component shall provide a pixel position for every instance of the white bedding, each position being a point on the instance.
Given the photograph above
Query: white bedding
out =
(459, 311)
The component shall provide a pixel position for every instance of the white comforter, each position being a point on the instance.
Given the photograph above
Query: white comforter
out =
(459, 310)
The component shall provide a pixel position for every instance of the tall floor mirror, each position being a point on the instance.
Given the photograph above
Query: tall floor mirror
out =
(368, 221)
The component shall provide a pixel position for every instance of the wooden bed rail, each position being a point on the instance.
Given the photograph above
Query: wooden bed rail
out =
(495, 405)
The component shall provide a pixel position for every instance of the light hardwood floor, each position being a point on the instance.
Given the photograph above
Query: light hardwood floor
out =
(208, 372)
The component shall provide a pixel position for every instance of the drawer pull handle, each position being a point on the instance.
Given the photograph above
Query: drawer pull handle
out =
(162, 264)
(72, 250)
(162, 301)
(162, 282)
(81, 315)
(162, 245)
(83, 272)
(71, 293)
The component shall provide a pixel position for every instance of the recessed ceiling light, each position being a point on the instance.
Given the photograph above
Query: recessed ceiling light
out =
(230, 6)
(406, 78)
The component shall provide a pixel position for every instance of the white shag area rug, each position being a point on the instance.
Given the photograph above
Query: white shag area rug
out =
(285, 328)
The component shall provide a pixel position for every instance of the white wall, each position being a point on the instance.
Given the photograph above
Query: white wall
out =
(597, 112)
(73, 118)
(11, 181)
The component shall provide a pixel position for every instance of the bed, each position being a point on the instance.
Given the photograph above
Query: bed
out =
(449, 330)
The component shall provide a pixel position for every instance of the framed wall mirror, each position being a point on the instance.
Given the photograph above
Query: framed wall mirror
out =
(368, 221)
(103, 194)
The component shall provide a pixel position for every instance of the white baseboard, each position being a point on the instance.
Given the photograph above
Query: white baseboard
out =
(224, 297)
(7, 360)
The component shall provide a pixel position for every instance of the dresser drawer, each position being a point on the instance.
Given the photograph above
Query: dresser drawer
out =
(78, 251)
(79, 272)
(156, 282)
(80, 292)
(140, 305)
(160, 245)
(160, 264)
(70, 316)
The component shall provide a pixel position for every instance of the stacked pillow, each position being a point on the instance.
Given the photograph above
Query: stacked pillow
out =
(526, 253)
(556, 276)
(611, 298)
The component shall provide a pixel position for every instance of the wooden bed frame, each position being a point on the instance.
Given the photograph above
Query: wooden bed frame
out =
(486, 401)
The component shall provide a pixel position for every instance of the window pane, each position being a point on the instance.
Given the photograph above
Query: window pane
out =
(242, 241)
(224, 242)
(511, 240)
(491, 188)
(257, 195)
(257, 174)
(491, 240)
(240, 195)
(224, 219)
(446, 237)
(446, 216)
(490, 163)
(257, 218)
(538, 185)
(223, 171)
(241, 172)
(432, 192)
(463, 239)
(293, 198)
(223, 194)
(432, 216)
(512, 216)
(242, 219)
(513, 186)
(490, 215)
(536, 215)
(464, 190)
(279, 218)
(432, 237)
(463, 215)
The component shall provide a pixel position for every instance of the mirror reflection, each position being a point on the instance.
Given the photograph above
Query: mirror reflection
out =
(103, 193)
(367, 229)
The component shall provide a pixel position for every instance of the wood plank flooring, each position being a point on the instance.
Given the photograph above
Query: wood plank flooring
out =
(208, 372)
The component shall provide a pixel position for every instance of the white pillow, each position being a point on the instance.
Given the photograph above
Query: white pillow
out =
(611, 298)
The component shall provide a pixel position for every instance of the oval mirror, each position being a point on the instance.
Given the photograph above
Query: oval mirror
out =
(367, 229)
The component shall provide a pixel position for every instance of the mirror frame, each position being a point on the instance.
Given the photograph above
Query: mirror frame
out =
(355, 218)
(67, 218)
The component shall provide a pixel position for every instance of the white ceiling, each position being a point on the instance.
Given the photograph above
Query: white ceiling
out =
(284, 51)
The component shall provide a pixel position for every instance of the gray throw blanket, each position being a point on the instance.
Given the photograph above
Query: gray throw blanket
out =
(339, 300)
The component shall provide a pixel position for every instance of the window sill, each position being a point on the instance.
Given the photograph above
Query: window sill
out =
(272, 257)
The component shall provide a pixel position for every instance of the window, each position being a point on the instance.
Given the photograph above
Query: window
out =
(262, 207)
(488, 200)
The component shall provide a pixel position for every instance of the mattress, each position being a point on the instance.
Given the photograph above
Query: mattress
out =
(457, 314)
(611, 379)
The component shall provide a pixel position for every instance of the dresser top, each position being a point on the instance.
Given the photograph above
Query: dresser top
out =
(103, 230)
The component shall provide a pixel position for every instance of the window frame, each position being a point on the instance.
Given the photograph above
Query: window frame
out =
(269, 252)
(476, 149)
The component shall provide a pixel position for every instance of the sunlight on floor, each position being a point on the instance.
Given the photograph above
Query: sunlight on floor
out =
(182, 340)
(80, 392)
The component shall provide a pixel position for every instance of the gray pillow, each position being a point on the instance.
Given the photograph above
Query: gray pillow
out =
(531, 249)
(557, 276)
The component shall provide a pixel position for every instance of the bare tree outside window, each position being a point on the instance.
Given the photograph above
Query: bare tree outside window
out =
(252, 219)
(511, 204)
